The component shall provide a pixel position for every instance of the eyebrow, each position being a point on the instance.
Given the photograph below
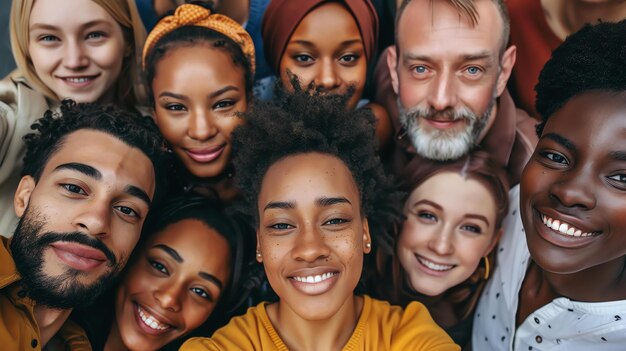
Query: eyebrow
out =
(481, 55)
(428, 202)
(478, 217)
(329, 201)
(95, 174)
(561, 140)
(310, 43)
(173, 253)
(81, 168)
(211, 278)
(212, 95)
(618, 155)
(46, 26)
(283, 205)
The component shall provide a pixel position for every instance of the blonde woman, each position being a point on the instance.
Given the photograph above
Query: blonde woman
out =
(86, 50)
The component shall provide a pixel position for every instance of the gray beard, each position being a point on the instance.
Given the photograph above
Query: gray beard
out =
(444, 145)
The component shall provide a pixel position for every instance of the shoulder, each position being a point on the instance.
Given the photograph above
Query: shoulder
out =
(408, 329)
(246, 332)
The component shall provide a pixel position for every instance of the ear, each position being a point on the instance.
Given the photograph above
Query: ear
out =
(22, 194)
(367, 239)
(259, 257)
(494, 241)
(506, 66)
(392, 64)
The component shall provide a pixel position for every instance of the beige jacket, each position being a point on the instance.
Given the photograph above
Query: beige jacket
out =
(20, 106)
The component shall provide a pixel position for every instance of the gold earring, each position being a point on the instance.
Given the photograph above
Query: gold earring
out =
(486, 267)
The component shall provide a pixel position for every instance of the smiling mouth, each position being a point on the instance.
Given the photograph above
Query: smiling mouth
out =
(432, 265)
(564, 228)
(151, 321)
(312, 279)
(80, 80)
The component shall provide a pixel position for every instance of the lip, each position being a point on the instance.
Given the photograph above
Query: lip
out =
(145, 328)
(557, 238)
(430, 271)
(205, 155)
(315, 288)
(443, 124)
(78, 256)
(72, 80)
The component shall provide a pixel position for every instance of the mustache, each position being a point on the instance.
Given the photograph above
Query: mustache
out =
(79, 238)
(449, 114)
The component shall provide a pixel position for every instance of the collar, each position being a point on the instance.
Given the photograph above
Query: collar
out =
(498, 141)
(8, 272)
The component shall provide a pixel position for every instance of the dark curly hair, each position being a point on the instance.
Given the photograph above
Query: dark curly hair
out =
(52, 129)
(594, 58)
(304, 122)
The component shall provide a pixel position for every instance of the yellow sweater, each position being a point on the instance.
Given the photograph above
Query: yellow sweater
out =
(380, 327)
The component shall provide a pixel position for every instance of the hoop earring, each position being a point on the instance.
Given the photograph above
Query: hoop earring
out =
(486, 267)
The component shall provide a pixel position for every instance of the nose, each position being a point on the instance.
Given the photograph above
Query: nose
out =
(94, 218)
(327, 75)
(201, 126)
(442, 243)
(75, 56)
(168, 296)
(310, 246)
(443, 91)
(575, 189)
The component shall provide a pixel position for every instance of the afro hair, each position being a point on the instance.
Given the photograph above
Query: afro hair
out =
(306, 121)
(594, 58)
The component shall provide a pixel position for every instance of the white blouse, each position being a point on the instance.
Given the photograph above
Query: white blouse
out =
(562, 324)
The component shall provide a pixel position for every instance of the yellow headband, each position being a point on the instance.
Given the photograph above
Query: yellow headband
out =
(194, 15)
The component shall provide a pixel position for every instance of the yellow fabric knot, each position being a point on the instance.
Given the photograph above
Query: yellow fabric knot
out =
(194, 15)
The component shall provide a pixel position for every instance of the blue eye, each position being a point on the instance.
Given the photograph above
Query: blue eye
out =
(473, 70)
(471, 228)
(95, 35)
(281, 226)
(619, 177)
(420, 69)
(48, 38)
(427, 216)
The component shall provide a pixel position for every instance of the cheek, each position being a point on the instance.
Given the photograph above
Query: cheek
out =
(111, 56)
(172, 131)
(195, 315)
(228, 125)
(476, 98)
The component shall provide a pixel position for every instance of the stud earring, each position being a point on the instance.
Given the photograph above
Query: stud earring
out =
(258, 254)
(368, 245)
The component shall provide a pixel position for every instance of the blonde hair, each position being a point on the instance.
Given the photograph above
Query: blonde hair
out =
(129, 90)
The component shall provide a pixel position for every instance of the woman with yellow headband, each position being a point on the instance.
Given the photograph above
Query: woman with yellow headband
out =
(199, 68)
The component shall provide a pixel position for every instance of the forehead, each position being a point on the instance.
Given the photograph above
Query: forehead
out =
(68, 13)
(592, 121)
(455, 194)
(182, 67)
(197, 244)
(307, 177)
(119, 163)
(442, 29)
(330, 22)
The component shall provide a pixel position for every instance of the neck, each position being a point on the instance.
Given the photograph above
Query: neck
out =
(222, 185)
(114, 340)
(328, 334)
(567, 16)
(49, 321)
(601, 283)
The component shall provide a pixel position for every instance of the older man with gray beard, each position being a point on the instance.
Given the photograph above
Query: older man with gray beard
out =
(444, 84)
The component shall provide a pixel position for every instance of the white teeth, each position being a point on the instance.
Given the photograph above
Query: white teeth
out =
(151, 321)
(77, 80)
(314, 278)
(434, 266)
(563, 228)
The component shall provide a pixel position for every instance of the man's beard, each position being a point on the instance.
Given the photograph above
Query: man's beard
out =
(443, 145)
(64, 291)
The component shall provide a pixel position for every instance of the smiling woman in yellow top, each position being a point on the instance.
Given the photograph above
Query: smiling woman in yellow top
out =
(318, 196)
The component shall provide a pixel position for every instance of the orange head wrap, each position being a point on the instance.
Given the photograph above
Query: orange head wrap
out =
(194, 15)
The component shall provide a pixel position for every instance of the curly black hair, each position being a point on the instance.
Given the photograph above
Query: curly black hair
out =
(594, 58)
(305, 121)
(134, 130)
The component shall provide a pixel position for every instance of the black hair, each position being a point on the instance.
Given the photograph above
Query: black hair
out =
(594, 58)
(305, 122)
(189, 36)
(234, 230)
(52, 129)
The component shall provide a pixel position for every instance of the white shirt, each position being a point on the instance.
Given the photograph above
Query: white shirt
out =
(562, 324)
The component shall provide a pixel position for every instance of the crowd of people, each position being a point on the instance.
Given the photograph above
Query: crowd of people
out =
(314, 175)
